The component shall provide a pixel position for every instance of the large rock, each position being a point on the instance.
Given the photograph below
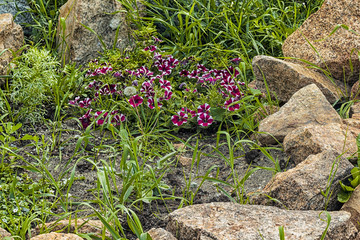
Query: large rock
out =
(81, 44)
(11, 37)
(353, 206)
(284, 79)
(306, 106)
(4, 233)
(313, 139)
(57, 236)
(230, 221)
(336, 50)
(15, 6)
(301, 188)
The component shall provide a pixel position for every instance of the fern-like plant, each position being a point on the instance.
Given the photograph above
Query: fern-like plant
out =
(34, 76)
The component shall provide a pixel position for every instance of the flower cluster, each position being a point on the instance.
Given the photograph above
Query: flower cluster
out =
(203, 116)
(153, 83)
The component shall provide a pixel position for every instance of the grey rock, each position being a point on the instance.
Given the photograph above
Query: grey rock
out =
(313, 139)
(306, 106)
(160, 234)
(284, 79)
(231, 221)
(57, 236)
(301, 188)
(81, 44)
(15, 6)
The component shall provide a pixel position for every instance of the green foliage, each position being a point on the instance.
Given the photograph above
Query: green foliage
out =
(34, 77)
(245, 28)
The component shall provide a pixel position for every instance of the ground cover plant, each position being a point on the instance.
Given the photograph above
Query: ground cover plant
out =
(110, 140)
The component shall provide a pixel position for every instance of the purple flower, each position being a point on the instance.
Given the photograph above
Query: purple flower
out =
(148, 89)
(165, 84)
(191, 112)
(102, 119)
(152, 48)
(143, 71)
(202, 68)
(85, 119)
(157, 40)
(182, 85)
(85, 103)
(135, 83)
(179, 119)
(136, 100)
(117, 74)
(151, 103)
(205, 108)
(74, 102)
(236, 60)
(118, 119)
(184, 73)
(205, 119)
(168, 95)
(232, 107)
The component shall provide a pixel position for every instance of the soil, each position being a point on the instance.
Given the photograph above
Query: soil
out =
(178, 174)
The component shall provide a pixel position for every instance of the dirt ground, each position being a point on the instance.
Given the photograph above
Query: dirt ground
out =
(179, 175)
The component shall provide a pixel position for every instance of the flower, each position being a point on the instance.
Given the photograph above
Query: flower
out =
(151, 103)
(179, 119)
(156, 40)
(85, 119)
(186, 110)
(130, 91)
(85, 103)
(182, 85)
(136, 100)
(101, 120)
(232, 107)
(165, 84)
(205, 108)
(168, 95)
(236, 60)
(152, 48)
(74, 102)
(118, 119)
(205, 119)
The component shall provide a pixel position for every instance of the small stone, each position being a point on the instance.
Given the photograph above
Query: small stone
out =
(314, 138)
(179, 146)
(232, 221)
(283, 79)
(160, 234)
(353, 206)
(185, 161)
(301, 188)
(57, 236)
(4, 233)
(78, 226)
(306, 106)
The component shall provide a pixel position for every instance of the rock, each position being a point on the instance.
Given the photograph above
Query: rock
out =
(355, 111)
(185, 161)
(284, 79)
(11, 37)
(313, 139)
(355, 93)
(15, 6)
(4, 233)
(353, 206)
(300, 188)
(78, 226)
(57, 236)
(83, 45)
(160, 234)
(335, 50)
(233, 221)
(306, 106)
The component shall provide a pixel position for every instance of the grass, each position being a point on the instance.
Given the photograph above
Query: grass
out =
(131, 160)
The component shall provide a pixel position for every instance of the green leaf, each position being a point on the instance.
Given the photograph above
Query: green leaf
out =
(218, 113)
(355, 182)
(343, 196)
(355, 172)
(346, 188)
